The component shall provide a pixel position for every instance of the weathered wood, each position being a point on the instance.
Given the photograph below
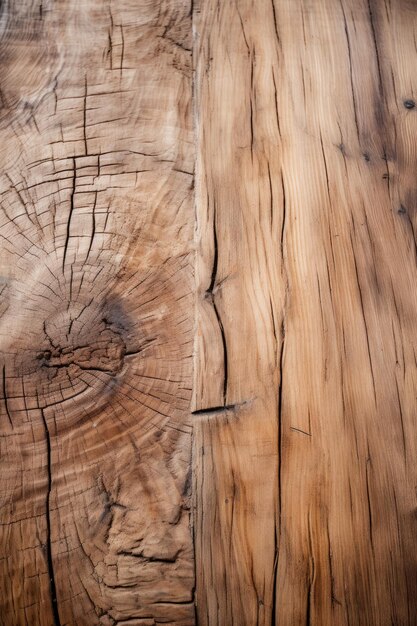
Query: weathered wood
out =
(306, 150)
(96, 304)
(241, 285)
(303, 334)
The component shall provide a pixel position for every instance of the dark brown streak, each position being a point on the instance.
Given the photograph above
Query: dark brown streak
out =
(403, 210)
(364, 320)
(351, 72)
(274, 15)
(342, 148)
(371, 19)
(372, 242)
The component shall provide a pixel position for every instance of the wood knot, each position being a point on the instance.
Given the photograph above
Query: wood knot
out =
(83, 338)
(409, 104)
(103, 354)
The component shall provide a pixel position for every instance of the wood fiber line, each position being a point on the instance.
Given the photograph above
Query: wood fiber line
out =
(96, 313)
(305, 482)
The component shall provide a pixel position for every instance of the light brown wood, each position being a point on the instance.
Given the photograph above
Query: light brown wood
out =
(96, 327)
(208, 264)
(306, 152)
(241, 293)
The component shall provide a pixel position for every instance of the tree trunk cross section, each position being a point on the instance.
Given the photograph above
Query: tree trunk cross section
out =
(96, 303)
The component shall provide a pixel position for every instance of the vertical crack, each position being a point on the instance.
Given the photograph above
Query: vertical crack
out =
(50, 563)
(312, 576)
(375, 41)
(6, 403)
(85, 116)
(71, 211)
(210, 294)
(280, 400)
(280, 389)
(368, 464)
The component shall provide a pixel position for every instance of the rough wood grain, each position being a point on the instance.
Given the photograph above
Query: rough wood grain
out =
(241, 291)
(96, 326)
(303, 333)
(305, 187)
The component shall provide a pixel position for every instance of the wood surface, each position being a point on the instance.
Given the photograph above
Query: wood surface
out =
(208, 305)
(306, 222)
(96, 332)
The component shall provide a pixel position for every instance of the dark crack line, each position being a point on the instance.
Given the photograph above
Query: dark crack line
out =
(85, 116)
(48, 546)
(375, 41)
(210, 294)
(368, 498)
(280, 394)
(217, 409)
(71, 211)
(274, 16)
(312, 575)
(215, 257)
(6, 403)
(225, 358)
(278, 528)
(352, 87)
(275, 578)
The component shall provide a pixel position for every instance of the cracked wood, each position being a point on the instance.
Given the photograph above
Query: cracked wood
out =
(305, 447)
(302, 417)
(96, 322)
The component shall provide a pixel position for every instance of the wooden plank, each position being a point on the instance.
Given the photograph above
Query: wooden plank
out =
(241, 286)
(96, 304)
(350, 383)
(320, 96)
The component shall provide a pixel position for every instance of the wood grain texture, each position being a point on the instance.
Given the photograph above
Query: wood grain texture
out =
(297, 300)
(241, 291)
(306, 224)
(96, 304)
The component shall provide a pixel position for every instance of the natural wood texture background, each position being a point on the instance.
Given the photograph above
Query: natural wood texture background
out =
(96, 331)
(297, 298)
(306, 209)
